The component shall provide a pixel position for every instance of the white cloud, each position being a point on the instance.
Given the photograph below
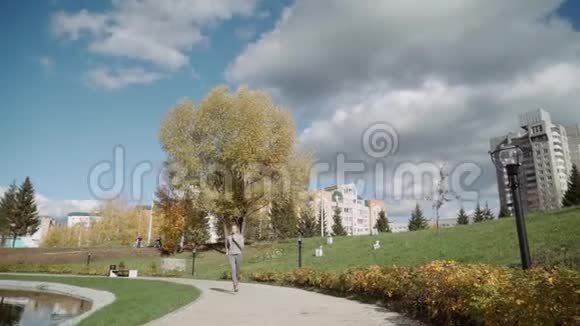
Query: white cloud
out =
(116, 79)
(447, 77)
(72, 26)
(59, 208)
(158, 32)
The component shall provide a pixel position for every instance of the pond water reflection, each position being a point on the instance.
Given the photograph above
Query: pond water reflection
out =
(29, 308)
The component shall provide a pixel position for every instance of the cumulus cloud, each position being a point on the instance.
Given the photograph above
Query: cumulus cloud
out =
(160, 33)
(116, 79)
(446, 75)
(60, 208)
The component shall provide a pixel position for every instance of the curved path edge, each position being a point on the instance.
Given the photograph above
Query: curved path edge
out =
(259, 304)
(99, 298)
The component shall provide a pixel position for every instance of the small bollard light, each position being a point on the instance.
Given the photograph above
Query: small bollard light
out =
(300, 240)
(329, 240)
(377, 245)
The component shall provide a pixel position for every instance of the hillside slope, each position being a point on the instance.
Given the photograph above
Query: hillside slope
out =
(554, 240)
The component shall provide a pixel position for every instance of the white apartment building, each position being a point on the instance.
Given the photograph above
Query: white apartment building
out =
(81, 218)
(546, 164)
(359, 216)
(573, 133)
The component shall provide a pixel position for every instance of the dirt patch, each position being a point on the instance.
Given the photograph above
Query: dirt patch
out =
(46, 256)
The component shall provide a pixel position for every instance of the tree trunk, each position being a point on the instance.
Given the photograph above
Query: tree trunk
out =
(14, 240)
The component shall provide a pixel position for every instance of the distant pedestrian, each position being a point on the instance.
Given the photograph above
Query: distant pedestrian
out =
(234, 247)
(139, 242)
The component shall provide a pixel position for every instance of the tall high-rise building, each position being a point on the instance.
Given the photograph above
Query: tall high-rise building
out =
(546, 163)
(574, 144)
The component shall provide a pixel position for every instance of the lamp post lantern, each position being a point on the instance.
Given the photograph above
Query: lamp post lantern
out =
(509, 157)
(300, 251)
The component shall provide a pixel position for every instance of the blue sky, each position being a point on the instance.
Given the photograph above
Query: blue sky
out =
(55, 125)
(81, 77)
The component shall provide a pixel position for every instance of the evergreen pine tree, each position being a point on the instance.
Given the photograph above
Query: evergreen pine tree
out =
(8, 206)
(25, 220)
(383, 223)
(337, 228)
(478, 215)
(572, 196)
(462, 217)
(308, 223)
(504, 212)
(487, 213)
(284, 219)
(417, 221)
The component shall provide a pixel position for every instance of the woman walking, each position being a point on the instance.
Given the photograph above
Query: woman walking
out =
(234, 247)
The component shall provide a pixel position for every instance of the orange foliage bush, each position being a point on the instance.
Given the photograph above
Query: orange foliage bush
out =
(449, 293)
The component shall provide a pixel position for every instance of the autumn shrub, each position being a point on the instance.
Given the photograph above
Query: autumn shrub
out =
(448, 293)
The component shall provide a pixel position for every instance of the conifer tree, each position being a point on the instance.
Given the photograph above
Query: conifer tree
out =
(572, 196)
(383, 223)
(337, 228)
(488, 214)
(417, 221)
(8, 206)
(24, 220)
(479, 214)
(462, 217)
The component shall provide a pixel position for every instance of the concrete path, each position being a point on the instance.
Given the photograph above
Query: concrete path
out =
(257, 304)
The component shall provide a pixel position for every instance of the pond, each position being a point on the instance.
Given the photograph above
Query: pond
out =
(29, 308)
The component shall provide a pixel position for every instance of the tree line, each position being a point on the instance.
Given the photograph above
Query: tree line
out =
(18, 212)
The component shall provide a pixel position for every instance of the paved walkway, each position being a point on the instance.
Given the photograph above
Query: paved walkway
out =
(257, 304)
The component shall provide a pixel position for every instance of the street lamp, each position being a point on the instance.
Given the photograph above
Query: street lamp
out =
(509, 157)
(300, 250)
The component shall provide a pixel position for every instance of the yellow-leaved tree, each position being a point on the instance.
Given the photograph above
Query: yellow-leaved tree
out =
(235, 152)
(173, 220)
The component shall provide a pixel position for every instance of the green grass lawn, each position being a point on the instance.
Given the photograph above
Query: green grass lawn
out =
(137, 301)
(553, 240)
(553, 237)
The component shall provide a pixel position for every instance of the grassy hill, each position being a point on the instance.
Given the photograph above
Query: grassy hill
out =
(554, 240)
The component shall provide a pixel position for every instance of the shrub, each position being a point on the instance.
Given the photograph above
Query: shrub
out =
(449, 293)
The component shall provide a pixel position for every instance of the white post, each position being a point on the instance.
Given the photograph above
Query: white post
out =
(150, 224)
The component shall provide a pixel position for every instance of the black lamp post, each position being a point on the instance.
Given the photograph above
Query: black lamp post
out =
(193, 253)
(509, 157)
(300, 251)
